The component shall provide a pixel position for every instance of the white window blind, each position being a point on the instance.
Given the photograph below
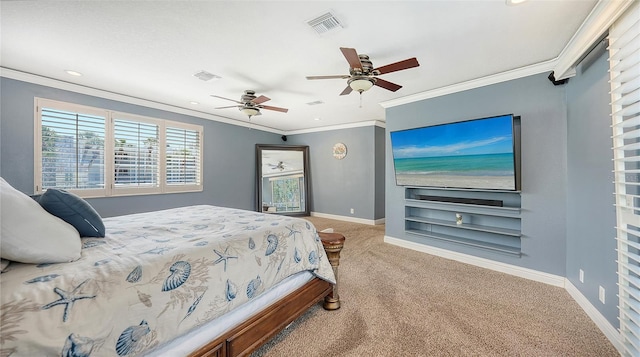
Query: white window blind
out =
(72, 149)
(136, 154)
(624, 65)
(95, 152)
(183, 156)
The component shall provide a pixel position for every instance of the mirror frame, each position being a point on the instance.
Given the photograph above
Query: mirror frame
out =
(305, 165)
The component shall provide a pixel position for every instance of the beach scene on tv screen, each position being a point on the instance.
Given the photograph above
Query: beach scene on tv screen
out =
(471, 154)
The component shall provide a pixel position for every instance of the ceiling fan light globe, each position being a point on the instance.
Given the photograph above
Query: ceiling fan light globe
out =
(361, 84)
(250, 111)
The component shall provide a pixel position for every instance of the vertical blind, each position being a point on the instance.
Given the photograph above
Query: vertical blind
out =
(624, 68)
(72, 150)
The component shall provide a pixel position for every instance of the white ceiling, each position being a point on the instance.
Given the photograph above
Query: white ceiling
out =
(282, 162)
(151, 50)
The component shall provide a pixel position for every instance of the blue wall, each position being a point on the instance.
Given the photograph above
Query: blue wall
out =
(590, 212)
(567, 202)
(565, 154)
(542, 108)
(229, 151)
(353, 182)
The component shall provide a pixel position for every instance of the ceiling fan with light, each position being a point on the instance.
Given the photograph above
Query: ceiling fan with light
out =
(279, 166)
(250, 105)
(362, 76)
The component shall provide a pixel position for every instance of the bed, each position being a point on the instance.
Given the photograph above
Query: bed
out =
(199, 280)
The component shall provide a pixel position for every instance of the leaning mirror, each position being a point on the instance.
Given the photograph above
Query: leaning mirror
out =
(282, 185)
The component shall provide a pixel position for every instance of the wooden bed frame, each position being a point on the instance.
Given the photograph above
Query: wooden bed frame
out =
(261, 327)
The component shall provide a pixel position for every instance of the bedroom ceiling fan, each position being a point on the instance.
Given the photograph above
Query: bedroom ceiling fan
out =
(250, 104)
(362, 76)
(279, 166)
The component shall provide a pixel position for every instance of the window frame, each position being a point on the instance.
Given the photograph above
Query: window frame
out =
(110, 189)
(163, 165)
(132, 190)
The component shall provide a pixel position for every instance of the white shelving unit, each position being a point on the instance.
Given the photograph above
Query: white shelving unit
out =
(484, 226)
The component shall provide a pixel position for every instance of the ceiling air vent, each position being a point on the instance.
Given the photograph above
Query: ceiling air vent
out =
(325, 23)
(206, 76)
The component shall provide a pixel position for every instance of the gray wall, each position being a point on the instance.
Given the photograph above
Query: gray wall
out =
(567, 202)
(379, 172)
(590, 211)
(339, 185)
(544, 140)
(229, 151)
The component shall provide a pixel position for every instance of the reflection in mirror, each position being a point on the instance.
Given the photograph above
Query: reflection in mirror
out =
(282, 184)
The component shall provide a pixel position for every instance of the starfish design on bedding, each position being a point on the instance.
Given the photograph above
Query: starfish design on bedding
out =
(67, 299)
(223, 257)
(292, 231)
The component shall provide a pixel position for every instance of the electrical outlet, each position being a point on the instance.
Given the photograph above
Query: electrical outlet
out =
(581, 276)
(353, 211)
(601, 294)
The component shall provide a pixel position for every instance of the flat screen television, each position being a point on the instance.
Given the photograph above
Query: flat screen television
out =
(472, 154)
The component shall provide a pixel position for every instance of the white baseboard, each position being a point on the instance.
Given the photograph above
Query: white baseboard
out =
(526, 273)
(349, 219)
(603, 324)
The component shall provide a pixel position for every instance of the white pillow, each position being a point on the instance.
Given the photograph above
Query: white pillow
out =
(32, 235)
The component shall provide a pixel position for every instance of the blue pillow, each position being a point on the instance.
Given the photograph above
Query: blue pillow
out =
(73, 210)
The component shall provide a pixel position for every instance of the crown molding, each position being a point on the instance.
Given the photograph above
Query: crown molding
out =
(597, 23)
(72, 87)
(594, 27)
(58, 84)
(474, 83)
(338, 127)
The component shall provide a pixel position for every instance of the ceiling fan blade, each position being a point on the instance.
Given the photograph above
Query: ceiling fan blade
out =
(352, 57)
(233, 100)
(277, 109)
(337, 76)
(231, 106)
(387, 85)
(346, 91)
(398, 66)
(260, 99)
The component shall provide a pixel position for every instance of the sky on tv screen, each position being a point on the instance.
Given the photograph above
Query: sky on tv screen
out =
(474, 137)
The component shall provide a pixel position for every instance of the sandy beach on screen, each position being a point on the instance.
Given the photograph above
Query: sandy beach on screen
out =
(489, 182)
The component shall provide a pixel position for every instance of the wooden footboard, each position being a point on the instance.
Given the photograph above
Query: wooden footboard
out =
(251, 334)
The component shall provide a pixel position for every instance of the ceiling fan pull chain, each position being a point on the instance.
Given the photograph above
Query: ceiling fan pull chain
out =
(360, 99)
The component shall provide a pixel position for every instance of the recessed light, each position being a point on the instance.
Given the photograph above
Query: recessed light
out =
(514, 2)
(73, 73)
(316, 119)
(194, 103)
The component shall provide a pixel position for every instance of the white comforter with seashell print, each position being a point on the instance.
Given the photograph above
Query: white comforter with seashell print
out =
(154, 277)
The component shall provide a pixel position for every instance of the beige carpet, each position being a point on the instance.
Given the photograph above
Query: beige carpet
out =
(398, 302)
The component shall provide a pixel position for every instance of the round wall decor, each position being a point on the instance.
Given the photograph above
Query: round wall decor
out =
(339, 151)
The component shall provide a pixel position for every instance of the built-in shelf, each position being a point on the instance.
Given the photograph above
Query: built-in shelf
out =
(466, 208)
(486, 226)
(473, 227)
(471, 242)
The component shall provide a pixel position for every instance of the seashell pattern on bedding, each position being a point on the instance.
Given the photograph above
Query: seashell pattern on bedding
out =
(154, 277)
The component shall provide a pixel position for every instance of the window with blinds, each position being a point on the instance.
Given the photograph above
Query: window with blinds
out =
(136, 154)
(183, 157)
(94, 152)
(72, 149)
(624, 62)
